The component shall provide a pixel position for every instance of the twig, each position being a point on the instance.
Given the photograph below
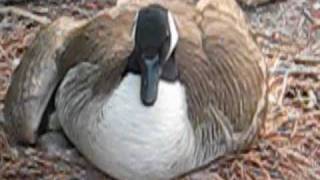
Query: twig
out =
(307, 59)
(82, 12)
(307, 14)
(284, 88)
(298, 157)
(25, 13)
(295, 70)
(3, 52)
(277, 62)
(294, 129)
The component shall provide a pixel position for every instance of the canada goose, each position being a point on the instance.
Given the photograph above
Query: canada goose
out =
(190, 86)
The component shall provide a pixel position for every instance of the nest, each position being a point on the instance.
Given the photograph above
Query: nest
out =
(288, 146)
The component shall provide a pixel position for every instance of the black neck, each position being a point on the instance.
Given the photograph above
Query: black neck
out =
(169, 69)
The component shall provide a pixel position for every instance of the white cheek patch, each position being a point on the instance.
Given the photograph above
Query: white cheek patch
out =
(174, 35)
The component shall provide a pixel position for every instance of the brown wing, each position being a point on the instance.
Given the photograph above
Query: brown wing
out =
(104, 41)
(97, 58)
(35, 79)
(223, 71)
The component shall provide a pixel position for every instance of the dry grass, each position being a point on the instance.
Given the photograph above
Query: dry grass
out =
(289, 144)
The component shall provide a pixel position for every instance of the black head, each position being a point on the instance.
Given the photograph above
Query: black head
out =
(155, 36)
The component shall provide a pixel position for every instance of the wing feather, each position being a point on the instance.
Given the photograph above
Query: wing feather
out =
(225, 76)
(35, 80)
(104, 41)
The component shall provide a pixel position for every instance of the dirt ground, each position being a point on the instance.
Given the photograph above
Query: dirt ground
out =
(288, 33)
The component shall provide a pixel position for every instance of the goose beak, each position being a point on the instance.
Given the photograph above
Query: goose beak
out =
(150, 79)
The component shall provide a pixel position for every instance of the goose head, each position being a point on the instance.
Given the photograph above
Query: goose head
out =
(155, 38)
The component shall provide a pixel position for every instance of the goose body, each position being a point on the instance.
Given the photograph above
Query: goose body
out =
(155, 91)
(133, 141)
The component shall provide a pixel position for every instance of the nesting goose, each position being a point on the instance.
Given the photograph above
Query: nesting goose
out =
(151, 91)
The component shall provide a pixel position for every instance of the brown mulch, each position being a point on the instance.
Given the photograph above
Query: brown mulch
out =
(288, 33)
